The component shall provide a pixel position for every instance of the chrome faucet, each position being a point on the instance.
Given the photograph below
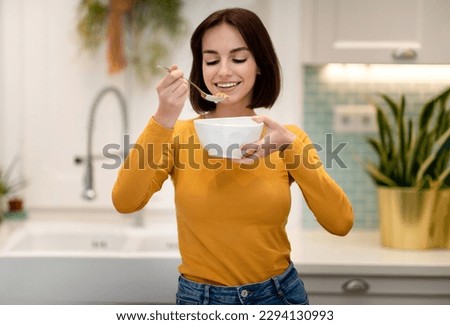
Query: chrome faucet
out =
(89, 191)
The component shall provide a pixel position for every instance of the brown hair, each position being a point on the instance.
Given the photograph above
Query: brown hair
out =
(268, 82)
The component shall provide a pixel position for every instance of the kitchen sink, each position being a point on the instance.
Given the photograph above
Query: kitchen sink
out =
(158, 243)
(27, 240)
(70, 237)
(62, 262)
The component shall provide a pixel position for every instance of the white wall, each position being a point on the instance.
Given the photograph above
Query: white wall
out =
(48, 86)
(2, 109)
(10, 68)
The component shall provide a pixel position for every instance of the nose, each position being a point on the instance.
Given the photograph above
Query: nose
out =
(224, 69)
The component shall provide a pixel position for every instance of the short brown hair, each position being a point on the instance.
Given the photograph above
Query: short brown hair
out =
(268, 82)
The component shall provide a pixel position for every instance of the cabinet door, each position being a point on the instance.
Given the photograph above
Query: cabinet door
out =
(382, 31)
(384, 289)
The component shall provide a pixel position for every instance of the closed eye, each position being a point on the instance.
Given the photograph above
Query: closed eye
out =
(212, 62)
(239, 60)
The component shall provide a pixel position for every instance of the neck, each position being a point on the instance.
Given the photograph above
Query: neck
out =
(230, 112)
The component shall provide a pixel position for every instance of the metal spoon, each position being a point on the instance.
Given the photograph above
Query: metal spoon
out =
(212, 98)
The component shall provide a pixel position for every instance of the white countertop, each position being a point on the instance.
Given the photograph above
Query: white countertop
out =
(318, 252)
(360, 252)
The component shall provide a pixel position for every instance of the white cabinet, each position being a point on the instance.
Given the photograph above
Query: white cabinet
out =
(356, 289)
(382, 31)
(356, 269)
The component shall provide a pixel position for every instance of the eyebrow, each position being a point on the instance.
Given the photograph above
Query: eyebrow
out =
(238, 49)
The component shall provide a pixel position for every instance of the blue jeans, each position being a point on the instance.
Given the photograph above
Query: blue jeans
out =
(284, 289)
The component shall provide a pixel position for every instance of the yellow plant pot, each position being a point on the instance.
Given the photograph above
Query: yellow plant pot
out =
(411, 219)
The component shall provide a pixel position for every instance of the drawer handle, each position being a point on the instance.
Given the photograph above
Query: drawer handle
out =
(404, 54)
(355, 286)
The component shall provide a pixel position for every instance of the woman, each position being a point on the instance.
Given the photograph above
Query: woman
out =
(231, 218)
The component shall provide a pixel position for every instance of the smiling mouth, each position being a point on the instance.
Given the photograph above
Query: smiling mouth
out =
(226, 85)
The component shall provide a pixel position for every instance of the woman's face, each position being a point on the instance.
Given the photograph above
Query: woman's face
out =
(228, 65)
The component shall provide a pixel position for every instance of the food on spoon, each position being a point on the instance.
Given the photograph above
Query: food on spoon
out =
(216, 98)
(222, 95)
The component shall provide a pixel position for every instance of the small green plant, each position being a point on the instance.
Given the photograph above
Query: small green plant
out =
(150, 26)
(7, 184)
(412, 155)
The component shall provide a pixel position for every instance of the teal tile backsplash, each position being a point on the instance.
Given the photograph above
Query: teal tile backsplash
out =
(320, 96)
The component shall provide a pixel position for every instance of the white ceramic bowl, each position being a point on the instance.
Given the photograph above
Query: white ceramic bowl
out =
(223, 137)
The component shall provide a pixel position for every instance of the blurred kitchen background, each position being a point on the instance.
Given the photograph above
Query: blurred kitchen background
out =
(334, 54)
(48, 86)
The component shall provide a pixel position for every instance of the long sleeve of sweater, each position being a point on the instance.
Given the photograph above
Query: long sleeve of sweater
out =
(145, 169)
(323, 195)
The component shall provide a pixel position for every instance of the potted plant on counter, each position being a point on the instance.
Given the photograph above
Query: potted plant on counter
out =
(413, 173)
(8, 187)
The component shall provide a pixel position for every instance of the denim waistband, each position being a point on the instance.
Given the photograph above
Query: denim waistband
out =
(239, 294)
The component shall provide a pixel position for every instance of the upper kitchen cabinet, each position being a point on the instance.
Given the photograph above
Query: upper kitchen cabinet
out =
(382, 31)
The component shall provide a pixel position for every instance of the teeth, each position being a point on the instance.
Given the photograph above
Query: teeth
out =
(227, 85)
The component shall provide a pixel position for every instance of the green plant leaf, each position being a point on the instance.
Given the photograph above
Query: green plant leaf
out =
(408, 151)
(441, 178)
(378, 176)
(426, 114)
(402, 151)
(428, 109)
(435, 150)
(92, 24)
(380, 150)
(395, 109)
(385, 131)
(408, 155)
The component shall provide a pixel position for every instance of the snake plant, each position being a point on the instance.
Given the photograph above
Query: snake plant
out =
(412, 154)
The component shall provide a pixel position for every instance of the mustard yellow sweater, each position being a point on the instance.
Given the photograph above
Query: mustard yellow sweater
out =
(231, 217)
